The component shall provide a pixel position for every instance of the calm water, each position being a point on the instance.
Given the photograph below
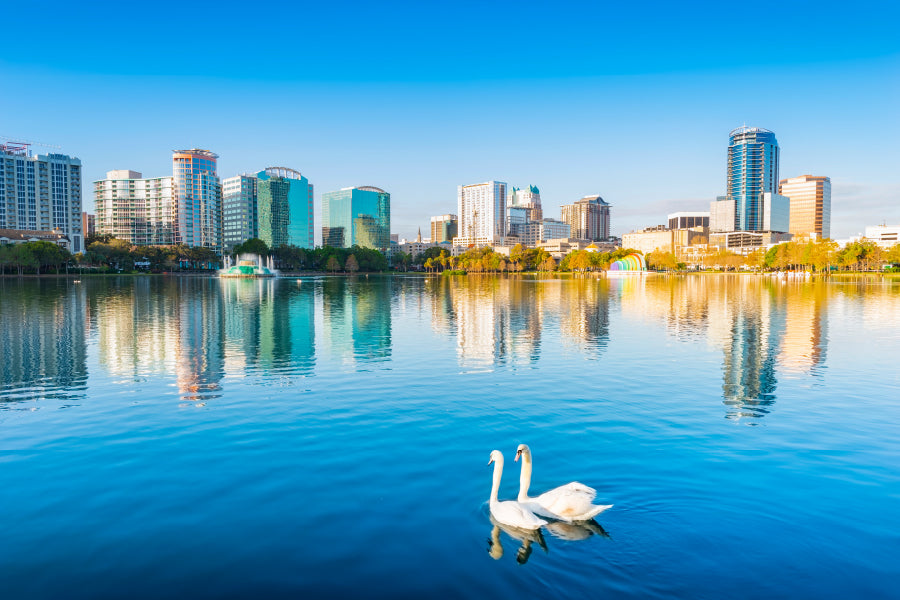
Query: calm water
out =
(330, 437)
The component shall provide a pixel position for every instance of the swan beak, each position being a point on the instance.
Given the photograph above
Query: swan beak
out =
(518, 454)
(490, 461)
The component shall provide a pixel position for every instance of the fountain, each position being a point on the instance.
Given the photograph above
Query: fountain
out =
(249, 265)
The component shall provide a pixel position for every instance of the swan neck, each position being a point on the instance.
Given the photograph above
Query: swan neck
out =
(525, 477)
(495, 488)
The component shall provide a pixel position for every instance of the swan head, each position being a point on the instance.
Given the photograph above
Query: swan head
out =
(496, 456)
(524, 451)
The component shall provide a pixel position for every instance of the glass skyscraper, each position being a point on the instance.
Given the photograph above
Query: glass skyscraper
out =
(358, 216)
(753, 157)
(198, 199)
(240, 221)
(284, 207)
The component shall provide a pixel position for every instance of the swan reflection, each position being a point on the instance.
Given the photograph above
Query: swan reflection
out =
(573, 532)
(526, 536)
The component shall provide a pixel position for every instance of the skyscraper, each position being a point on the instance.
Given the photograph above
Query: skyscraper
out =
(357, 216)
(588, 218)
(529, 199)
(198, 199)
(40, 193)
(137, 210)
(810, 204)
(482, 213)
(753, 158)
(285, 208)
(240, 221)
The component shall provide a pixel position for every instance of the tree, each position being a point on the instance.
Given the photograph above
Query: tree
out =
(22, 257)
(252, 246)
(548, 264)
(351, 264)
(332, 264)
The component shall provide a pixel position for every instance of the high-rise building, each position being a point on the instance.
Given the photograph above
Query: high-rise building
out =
(40, 193)
(810, 199)
(240, 221)
(535, 232)
(482, 213)
(137, 210)
(285, 208)
(588, 218)
(198, 199)
(443, 228)
(753, 158)
(357, 216)
(529, 199)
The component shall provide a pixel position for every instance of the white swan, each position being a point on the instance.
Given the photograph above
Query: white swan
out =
(509, 512)
(571, 502)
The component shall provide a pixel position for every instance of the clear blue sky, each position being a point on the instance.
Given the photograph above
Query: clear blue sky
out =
(631, 101)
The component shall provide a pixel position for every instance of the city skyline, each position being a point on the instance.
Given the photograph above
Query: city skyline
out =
(644, 125)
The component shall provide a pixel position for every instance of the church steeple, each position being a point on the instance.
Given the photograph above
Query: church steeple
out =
(419, 237)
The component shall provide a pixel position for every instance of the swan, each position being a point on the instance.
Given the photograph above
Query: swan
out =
(571, 502)
(509, 512)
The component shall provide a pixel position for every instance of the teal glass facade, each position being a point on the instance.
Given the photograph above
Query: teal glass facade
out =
(753, 157)
(357, 217)
(284, 208)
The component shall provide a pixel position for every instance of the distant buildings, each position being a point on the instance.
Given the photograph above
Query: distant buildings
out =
(88, 224)
(358, 216)
(482, 213)
(240, 219)
(883, 235)
(41, 193)
(810, 204)
(753, 159)
(536, 232)
(137, 210)
(588, 218)
(686, 220)
(198, 199)
(663, 239)
(529, 199)
(444, 228)
(285, 208)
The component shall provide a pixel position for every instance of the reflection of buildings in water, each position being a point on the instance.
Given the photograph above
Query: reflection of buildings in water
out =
(356, 317)
(584, 314)
(803, 345)
(498, 321)
(760, 327)
(269, 324)
(45, 353)
(200, 342)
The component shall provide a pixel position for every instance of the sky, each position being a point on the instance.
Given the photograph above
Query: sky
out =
(630, 101)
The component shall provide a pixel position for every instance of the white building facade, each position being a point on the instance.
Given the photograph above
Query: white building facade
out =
(482, 214)
(137, 210)
(41, 193)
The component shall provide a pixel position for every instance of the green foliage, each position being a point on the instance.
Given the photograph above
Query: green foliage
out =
(252, 246)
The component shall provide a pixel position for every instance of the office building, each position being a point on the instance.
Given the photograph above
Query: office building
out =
(752, 170)
(516, 218)
(687, 220)
(444, 228)
(137, 210)
(482, 214)
(721, 215)
(198, 199)
(776, 214)
(529, 199)
(284, 208)
(536, 232)
(240, 221)
(41, 193)
(883, 235)
(357, 216)
(588, 218)
(810, 200)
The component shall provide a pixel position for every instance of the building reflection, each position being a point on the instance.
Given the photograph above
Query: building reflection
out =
(500, 321)
(356, 316)
(45, 354)
(763, 329)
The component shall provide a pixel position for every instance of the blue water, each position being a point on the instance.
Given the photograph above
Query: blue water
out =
(171, 437)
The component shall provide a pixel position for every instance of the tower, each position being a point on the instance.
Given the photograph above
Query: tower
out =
(753, 158)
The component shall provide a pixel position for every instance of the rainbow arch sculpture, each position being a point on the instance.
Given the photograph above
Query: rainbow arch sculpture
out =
(632, 262)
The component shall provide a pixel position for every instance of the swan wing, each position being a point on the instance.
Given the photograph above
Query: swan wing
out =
(571, 502)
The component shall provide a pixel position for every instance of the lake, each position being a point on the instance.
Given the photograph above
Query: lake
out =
(329, 436)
